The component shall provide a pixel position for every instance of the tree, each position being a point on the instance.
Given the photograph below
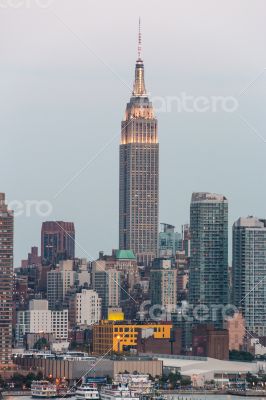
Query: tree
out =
(18, 379)
(186, 381)
(29, 378)
(252, 379)
(173, 378)
(2, 382)
(41, 344)
(39, 376)
(235, 355)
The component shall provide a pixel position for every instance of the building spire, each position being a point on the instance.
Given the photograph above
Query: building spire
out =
(139, 84)
(140, 41)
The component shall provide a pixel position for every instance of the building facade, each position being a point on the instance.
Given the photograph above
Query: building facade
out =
(57, 241)
(86, 308)
(6, 281)
(59, 322)
(237, 331)
(146, 343)
(249, 270)
(210, 342)
(163, 285)
(39, 319)
(22, 327)
(170, 241)
(33, 258)
(72, 369)
(125, 262)
(59, 281)
(107, 283)
(117, 336)
(208, 272)
(186, 237)
(139, 173)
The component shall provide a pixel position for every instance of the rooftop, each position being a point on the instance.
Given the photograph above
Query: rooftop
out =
(124, 255)
(207, 197)
(198, 365)
(250, 222)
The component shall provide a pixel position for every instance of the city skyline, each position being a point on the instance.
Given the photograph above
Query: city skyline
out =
(140, 245)
(85, 89)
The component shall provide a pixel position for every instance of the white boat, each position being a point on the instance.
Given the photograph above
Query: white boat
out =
(118, 392)
(43, 390)
(87, 391)
(138, 383)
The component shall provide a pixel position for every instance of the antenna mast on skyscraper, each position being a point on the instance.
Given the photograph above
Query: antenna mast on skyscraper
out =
(139, 41)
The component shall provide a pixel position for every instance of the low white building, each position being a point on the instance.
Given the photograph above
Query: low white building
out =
(59, 322)
(202, 369)
(87, 307)
(39, 319)
(60, 346)
(259, 349)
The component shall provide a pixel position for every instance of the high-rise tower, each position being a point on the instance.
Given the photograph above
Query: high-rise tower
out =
(208, 271)
(58, 241)
(249, 272)
(6, 281)
(139, 173)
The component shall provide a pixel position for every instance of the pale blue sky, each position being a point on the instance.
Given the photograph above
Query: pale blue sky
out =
(63, 95)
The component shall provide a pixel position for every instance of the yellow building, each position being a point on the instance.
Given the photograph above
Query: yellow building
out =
(111, 336)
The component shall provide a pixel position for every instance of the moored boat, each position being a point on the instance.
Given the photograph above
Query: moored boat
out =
(43, 390)
(117, 392)
(259, 393)
(87, 392)
(138, 383)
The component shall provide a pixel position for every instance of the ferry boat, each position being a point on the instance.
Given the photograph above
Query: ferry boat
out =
(158, 397)
(118, 392)
(87, 392)
(138, 383)
(259, 393)
(43, 390)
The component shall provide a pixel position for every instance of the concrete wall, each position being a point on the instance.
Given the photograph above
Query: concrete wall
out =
(152, 367)
(72, 370)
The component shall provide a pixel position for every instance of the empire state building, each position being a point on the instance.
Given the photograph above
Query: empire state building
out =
(139, 173)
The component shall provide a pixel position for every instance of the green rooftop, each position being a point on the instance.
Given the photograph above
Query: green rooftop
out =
(124, 255)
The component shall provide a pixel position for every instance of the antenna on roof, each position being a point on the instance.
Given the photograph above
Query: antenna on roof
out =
(139, 41)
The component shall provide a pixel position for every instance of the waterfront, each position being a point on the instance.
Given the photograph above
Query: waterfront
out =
(211, 397)
(170, 397)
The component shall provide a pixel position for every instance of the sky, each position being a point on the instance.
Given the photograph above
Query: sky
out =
(66, 73)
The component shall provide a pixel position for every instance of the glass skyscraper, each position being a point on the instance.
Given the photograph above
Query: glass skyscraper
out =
(6, 281)
(139, 173)
(208, 274)
(249, 272)
(170, 241)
